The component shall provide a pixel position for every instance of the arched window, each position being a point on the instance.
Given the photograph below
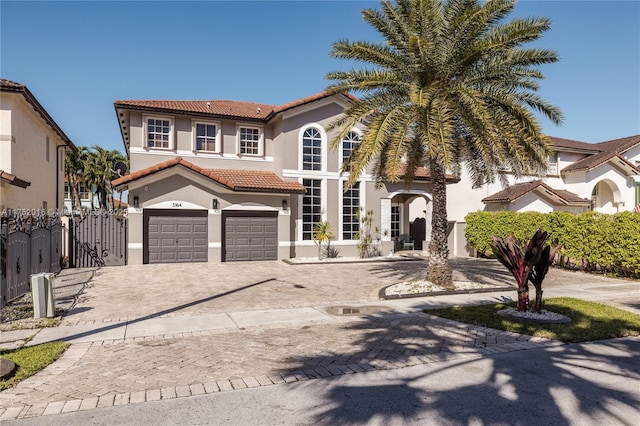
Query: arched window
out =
(348, 144)
(312, 149)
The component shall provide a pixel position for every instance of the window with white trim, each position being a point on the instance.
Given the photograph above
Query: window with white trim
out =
(395, 221)
(553, 164)
(311, 206)
(206, 135)
(350, 207)
(249, 140)
(348, 144)
(82, 191)
(312, 149)
(158, 133)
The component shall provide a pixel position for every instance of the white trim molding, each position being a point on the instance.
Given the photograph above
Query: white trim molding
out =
(323, 147)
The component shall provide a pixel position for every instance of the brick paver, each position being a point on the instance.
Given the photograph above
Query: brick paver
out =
(116, 372)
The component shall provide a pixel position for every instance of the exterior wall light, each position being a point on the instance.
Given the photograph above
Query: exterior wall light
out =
(216, 205)
(136, 202)
(284, 204)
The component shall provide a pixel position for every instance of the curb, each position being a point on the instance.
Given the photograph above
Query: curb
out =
(292, 376)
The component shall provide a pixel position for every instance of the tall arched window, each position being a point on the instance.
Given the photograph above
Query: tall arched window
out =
(312, 149)
(348, 144)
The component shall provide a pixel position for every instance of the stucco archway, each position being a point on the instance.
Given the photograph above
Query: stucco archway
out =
(605, 197)
(398, 213)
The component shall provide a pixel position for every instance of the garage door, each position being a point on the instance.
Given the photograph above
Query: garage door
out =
(251, 236)
(176, 236)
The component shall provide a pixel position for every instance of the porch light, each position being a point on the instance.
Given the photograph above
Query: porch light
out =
(284, 204)
(136, 202)
(215, 204)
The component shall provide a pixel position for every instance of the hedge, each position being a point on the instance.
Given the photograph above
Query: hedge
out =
(591, 241)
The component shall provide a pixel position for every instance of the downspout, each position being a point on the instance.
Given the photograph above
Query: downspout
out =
(58, 175)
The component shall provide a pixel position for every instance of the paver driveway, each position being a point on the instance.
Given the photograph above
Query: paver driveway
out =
(175, 289)
(106, 373)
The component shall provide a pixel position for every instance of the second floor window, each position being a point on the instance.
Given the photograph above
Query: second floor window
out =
(553, 164)
(312, 149)
(249, 140)
(206, 137)
(349, 144)
(158, 131)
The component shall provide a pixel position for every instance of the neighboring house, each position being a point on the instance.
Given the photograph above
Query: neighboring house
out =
(604, 177)
(236, 181)
(32, 148)
(84, 194)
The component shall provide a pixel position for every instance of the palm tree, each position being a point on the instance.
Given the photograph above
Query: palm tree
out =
(74, 163)
(99, 171)
(322, 233)
(450, 83)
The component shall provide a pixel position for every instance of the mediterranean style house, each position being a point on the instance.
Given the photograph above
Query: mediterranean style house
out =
(237, 181)
(220, 181)
(32, 148)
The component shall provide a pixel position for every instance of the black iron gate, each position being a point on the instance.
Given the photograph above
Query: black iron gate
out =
(29, 244)
(98, 239)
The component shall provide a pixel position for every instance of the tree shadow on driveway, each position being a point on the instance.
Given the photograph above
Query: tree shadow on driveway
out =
(586, 383)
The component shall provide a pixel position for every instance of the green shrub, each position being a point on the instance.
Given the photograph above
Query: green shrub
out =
(591, 241)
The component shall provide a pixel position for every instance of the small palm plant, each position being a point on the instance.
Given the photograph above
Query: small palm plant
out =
(322, 233)
(528, 263)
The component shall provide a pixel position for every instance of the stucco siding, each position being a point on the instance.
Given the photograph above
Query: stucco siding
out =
(29, 158)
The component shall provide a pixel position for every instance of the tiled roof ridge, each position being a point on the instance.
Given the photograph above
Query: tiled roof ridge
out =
(265, 111)
(216, 175)
(517, 190)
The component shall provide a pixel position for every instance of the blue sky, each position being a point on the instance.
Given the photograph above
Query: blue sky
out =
(79, 57)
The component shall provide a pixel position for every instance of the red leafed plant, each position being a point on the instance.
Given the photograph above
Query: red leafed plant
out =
(521, 262)
(540, 270)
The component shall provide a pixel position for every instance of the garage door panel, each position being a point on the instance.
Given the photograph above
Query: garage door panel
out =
(251, 237)
(177, 237)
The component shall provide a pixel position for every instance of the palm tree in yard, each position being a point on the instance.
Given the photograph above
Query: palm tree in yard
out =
(74, 165)
(451, 83)
(99, 171)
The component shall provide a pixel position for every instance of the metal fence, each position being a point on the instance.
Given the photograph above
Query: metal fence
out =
(29, 244)
(98, 239)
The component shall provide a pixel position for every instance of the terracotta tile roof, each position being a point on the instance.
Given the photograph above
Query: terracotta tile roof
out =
(236, 180)
(12, 86)
(309, 99)
(221, 108)
(214, 108)
(424, 174)
(13, 179)
(513, 192)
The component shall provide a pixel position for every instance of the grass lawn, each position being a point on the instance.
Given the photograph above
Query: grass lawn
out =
(30, 360)
(589, 320)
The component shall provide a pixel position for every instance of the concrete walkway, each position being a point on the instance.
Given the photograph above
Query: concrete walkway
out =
(158, 332)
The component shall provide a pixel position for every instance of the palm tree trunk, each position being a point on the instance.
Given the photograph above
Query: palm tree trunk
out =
(439, 270)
